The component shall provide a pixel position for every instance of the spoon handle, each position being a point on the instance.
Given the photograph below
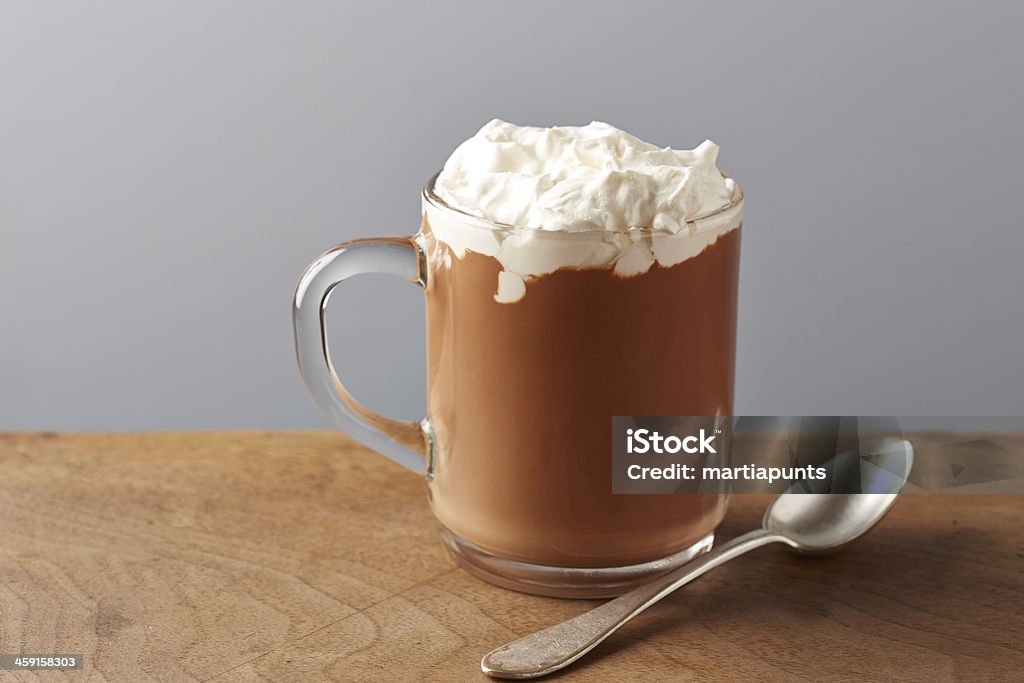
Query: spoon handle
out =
(556, 647)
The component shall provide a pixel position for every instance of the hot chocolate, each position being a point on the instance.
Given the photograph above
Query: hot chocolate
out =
(571, 275)
(521, 398)
(538, 336)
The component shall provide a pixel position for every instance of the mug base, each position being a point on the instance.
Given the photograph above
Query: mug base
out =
(565, 582)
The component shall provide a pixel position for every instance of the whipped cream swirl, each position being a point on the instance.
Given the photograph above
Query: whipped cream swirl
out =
(633, 203)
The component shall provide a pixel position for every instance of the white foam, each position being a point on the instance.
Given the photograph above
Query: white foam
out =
(578, 197)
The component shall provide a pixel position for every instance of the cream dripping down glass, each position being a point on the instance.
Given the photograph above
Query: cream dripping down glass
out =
(570, 274)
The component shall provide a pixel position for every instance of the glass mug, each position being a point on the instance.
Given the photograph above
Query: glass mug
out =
(516, 447)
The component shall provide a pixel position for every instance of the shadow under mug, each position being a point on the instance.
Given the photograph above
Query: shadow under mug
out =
(516, 447)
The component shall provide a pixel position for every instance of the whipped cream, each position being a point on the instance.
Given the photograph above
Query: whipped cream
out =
(579, 197)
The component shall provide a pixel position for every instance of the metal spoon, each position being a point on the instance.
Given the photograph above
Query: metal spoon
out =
(810, 523)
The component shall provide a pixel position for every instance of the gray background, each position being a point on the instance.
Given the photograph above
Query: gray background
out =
(167, 171)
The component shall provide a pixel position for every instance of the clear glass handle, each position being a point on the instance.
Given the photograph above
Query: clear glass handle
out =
(402, 441)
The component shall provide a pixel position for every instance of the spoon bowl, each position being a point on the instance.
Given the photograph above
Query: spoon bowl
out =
(819, 523)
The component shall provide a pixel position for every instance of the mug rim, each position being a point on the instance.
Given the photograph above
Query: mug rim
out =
(432, 199)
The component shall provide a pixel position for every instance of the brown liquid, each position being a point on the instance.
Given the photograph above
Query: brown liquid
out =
(521, 398)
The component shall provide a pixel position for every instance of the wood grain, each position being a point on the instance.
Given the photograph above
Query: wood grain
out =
(302, 556)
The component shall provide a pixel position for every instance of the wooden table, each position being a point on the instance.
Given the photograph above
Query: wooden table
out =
(302, 556)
